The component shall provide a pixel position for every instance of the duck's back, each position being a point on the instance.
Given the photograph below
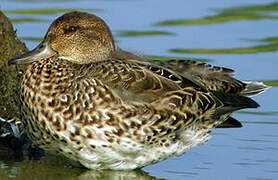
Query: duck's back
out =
(213, 78)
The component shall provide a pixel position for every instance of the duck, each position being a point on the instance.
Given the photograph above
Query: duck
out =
(84, 98)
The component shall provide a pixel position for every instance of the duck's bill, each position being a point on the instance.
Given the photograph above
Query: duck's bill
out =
(42, 51)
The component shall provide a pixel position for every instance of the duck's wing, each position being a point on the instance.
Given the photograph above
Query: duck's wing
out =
(140, 124)
(217, 103)
(135, 82)
(127, 127)
(138, 82)
(214, 78)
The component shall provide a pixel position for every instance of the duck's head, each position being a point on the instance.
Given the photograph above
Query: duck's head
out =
(77, 37)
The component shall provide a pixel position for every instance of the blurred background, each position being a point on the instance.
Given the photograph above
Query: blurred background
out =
(239, 34)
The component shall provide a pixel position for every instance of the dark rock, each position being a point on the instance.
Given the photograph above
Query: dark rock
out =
(11, 46)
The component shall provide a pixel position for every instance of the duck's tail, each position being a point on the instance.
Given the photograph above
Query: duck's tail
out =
(230, 123)
(231, 103)
(254, 88)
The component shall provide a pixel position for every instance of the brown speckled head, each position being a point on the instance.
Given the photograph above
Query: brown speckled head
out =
(76, 36)
(80, 37)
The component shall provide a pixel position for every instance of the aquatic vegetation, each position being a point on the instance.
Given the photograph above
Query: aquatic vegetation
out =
(164, 58)
(33, 39)
(44, 11)
(269, 44)
(27, 20)
(243, 13)
(143, 33)
(233, 14)
(27, 15)
(273, 83)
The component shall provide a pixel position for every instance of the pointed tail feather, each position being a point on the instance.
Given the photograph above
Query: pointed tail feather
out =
(254, 88)
(233, 102)
(230, 123)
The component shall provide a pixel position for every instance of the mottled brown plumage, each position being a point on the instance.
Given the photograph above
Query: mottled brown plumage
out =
(109, 109)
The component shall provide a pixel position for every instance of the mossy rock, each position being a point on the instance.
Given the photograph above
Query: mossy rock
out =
(10, 46)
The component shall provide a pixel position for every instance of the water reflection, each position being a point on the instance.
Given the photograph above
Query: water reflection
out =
(53, 168)
(115, 175)
(20, 166)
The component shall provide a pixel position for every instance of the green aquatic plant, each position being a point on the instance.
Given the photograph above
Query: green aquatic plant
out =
(33, 39)
(45, 11)
(37, 12)
(165, 58)
(243, 13)
(27, 20)
(263, 8)
(221, 18)
(269, 44)
(260, 113)
(143, 33)
(273, 83)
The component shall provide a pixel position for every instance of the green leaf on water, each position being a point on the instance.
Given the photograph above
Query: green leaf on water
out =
(27, 20)
(33, 39)
(263, 8)
(273, 83)
(215, 19)
(269, 44)
(273, 40)
(243, 13)
(143, 33)
(262, 113)
(247, 50)
(164, 58)
(45, 11)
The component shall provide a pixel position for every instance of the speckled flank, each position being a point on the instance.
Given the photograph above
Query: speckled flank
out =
(109, 109)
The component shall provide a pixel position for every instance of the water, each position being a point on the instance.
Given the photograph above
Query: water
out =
(240, 34)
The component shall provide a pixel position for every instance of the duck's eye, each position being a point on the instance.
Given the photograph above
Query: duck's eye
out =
(70, 29)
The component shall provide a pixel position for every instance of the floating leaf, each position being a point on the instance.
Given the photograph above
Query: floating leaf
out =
(273, 83)
(248, 50)
(34, 39)
(44, 11)
(143, 33)
(273, 40)
(271, 7)
(269, 45)
(214, 19)
(28, 20)
(262, 113)
(163, 58)
(228, 15)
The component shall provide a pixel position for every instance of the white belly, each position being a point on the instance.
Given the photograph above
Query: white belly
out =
(128, 156)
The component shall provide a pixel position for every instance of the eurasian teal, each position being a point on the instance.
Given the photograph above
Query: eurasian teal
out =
(86, 99)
